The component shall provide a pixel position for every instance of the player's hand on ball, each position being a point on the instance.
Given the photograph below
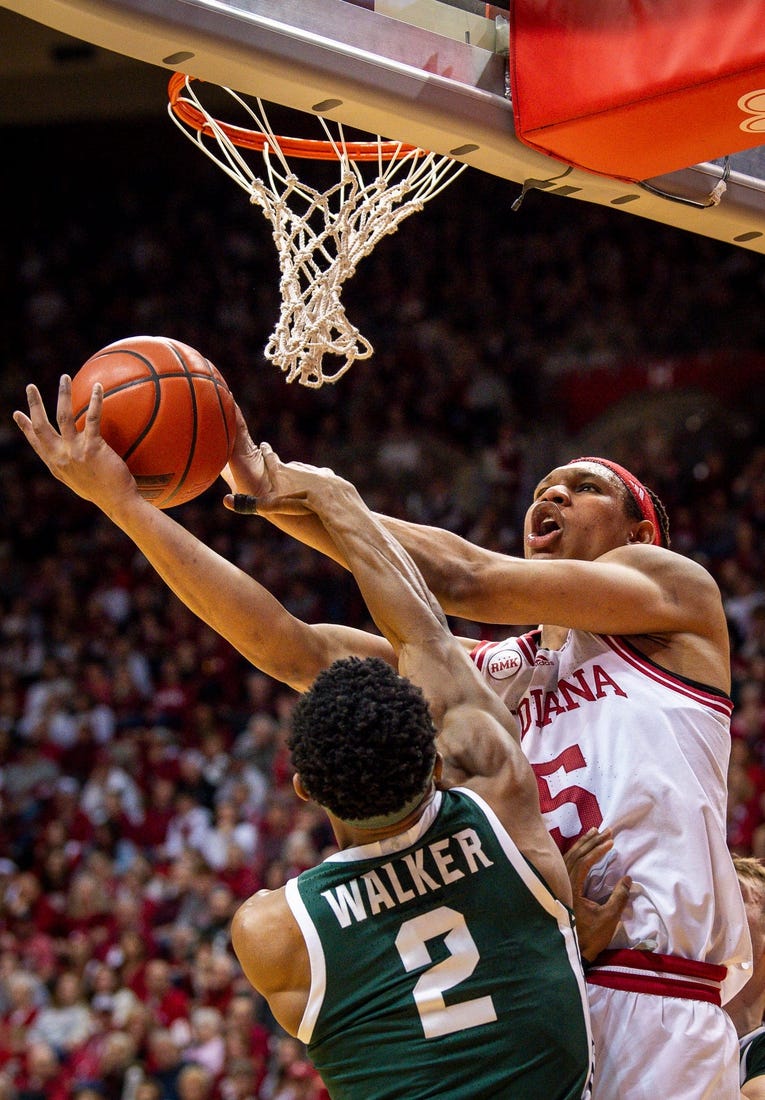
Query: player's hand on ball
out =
(293, 488)
(81, 460)
(245, 473)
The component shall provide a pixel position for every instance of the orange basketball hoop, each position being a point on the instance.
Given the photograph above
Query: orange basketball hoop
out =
(320, 247)
(190, 113)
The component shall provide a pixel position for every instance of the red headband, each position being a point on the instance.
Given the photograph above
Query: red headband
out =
(637, 491)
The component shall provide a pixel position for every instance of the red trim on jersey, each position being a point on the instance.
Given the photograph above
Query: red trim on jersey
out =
(478, 654)
(660, 975)
(721, 703)
(525, 643)
(528, 645)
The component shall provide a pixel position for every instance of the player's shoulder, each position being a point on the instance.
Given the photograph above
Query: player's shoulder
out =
(259, 914)
(660, 561)
(265, 933)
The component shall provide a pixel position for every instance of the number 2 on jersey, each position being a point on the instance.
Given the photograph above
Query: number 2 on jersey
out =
(437, 1017)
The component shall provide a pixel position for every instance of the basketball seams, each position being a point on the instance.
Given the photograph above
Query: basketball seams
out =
(217, 380)
(192, 433)
(153, 375)
(196, 377)
(175, 350)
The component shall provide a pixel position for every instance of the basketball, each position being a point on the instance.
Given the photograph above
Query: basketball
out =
(167, 412)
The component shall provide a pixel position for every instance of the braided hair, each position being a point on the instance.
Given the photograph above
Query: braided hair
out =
(633, 511)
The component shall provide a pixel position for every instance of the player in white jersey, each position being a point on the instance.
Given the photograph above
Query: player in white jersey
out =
(634, 740)
(582, 711)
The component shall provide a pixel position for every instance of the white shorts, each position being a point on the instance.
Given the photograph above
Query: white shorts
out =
(661, 1048)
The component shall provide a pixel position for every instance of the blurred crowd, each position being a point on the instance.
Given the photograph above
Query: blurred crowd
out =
(145, 788)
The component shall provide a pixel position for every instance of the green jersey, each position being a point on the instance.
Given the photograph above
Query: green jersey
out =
(752, 1055)
(442, 967)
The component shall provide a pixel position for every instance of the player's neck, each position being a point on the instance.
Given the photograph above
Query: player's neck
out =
(348, 836)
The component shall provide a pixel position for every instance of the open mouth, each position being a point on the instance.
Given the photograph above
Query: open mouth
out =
(545, 525)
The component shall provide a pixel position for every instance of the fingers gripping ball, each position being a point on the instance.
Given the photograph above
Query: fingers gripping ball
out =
(167, 412)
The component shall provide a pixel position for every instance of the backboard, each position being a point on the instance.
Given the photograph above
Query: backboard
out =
(429, 72)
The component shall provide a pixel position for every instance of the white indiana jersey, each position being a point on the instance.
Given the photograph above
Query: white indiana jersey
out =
(616, 741)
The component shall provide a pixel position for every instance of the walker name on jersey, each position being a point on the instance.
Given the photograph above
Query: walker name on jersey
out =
(420, 871)
(587, 685)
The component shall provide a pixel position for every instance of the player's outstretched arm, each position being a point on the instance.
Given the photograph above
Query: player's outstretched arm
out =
(438, 554)
(634, 589)
(395, 593)
(477, 735)
(219, 593)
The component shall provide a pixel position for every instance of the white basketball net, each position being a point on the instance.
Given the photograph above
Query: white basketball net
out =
(321, 236)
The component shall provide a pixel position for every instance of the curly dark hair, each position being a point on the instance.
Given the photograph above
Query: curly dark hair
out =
(362, 739)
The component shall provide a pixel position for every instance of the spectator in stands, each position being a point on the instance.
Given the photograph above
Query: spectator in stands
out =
(150, 834)
(167, 1003)
(138, 1026)
(240, 1081)
(24, 994)
(245, 787)
(87, 910)
(207, 1046)
(130, 956)
(148, 1089)
(106, 778)
(172, 696)
(243, 1020)
(229, 828)
(42, 1075)
(8, 1092)
(189, 827)
(195, 1082)
(108, 995)
(67, 1022)
(164, 1061)
(114, 1070)
(214, 925)
(184, 898)
(214, 975)
(745, 798)
(256, 744)
(239, 873)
